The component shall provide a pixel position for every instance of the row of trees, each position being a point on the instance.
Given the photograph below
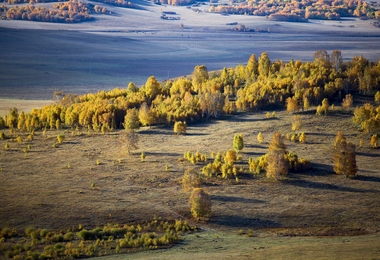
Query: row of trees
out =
(260, 84)
(301, 10)
(69, 12)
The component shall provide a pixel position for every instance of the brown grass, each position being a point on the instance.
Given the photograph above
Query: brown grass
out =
(40, 189)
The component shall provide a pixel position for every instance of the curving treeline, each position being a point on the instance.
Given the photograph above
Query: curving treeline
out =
(260, 84)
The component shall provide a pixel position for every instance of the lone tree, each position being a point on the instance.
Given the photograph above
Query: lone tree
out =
(296, 123)
(277, 164)
(238, 144)
(129, 139)
(200, 203)
(344, 157)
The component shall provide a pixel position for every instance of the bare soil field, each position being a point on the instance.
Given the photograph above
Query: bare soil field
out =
(90, 180)
(131, 45)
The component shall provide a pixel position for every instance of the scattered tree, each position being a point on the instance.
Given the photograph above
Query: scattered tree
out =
(191, 180)
(129, 139)
(296, 123)
(302, 138)
(344, 157)
(347, 102)
(374, 141)
(238, 143)
(260, 137)
(180, 127)
(200, 203)
(60, 138)
(277, 165)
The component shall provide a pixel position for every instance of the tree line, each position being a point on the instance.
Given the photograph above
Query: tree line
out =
(301, 10)
(260, 84)
(72, 11)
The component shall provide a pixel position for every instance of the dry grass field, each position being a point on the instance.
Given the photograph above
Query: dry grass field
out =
(91, 180)
(131, 45)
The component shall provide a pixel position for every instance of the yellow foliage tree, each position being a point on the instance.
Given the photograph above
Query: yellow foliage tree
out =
(191, 179)
(230, 157)
(180, 127)
(277, 164)
(344, 158)
(296, 123)
(238, 143)
(347, 102)
(260, 137)
(374, 141)
(146, 116)
(291, 104)
(200, 203)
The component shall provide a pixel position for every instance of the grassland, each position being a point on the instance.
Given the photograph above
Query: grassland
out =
(90, 180)
(132, 45)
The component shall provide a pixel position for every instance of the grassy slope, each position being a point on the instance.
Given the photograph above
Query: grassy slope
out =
(41, 190)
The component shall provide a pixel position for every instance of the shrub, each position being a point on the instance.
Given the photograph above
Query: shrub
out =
(260, 137)
(230, 157)
(238, 143)
(302, 138)
(200, 203)
(142, 156)
(347, 102)
(2, 135)
(60, 138)
(180, 127)
(374, 141)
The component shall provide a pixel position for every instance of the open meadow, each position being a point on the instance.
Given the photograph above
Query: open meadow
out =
(91, 180)
(130, 45)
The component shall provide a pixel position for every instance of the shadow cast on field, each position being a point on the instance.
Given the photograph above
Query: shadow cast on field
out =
(254, 154)
(368, 154)
(240, 119)
(235, 199)
(325, 186)
(255, 146)
(163, 154)
(242, 221)
(367, 178)
(320, 169)
(156, 132)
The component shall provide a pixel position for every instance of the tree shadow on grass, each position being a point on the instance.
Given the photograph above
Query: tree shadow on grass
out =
(243, 222)
(320, 169)
(325, 186)
(163, 154)
(163, 131)
(368, 154)
(249, 119)
(235, 199)
(367, 178)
